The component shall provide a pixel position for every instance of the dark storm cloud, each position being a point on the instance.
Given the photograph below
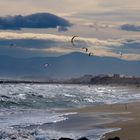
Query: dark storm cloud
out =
(130, 27)
(37, 20)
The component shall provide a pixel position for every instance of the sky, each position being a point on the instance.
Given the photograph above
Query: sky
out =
(44, 28)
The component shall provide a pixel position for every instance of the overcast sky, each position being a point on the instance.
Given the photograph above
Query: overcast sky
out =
(98, 23)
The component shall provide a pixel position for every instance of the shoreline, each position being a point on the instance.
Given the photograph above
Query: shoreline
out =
(129, 127)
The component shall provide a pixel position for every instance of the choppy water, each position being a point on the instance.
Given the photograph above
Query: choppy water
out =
(63, 96)
(30, 109)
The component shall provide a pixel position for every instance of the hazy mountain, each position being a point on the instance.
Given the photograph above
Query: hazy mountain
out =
(66, 66)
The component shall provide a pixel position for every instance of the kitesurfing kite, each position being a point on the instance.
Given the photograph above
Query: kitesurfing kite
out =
(46, 65)
(12, 44)
(90, 54)
(72, 40)
(121, 54)
(86, 49)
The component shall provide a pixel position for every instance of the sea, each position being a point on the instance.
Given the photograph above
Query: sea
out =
(36, 111)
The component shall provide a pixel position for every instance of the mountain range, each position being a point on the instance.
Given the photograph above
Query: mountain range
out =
(66, 66)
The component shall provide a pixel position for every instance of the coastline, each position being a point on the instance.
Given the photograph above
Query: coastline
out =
(129, 127)
(130, 130)
(58, 115)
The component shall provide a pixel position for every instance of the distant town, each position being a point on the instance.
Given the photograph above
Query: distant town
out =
(86, 79)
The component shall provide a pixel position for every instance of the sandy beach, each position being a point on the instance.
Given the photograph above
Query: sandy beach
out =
(130, 127)
(73, 111)
(130, 130)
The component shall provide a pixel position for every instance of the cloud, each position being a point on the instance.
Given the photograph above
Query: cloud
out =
(53, 40)
(130, 27)
(62, 29)
(35, 44)
(36, 36)
(37, 20)
(122, 11)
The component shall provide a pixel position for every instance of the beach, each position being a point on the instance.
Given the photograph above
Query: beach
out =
(45, 111)
(130, 126)
(130, 130)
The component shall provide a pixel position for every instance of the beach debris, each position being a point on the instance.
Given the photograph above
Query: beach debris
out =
(72, 40)
(65, 138)
(115, 138)
(83, 138)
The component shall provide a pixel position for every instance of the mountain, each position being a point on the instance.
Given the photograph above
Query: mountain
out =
(66, 66)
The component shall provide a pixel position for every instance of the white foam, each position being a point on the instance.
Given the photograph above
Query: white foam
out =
(30, 117)
(69, 95)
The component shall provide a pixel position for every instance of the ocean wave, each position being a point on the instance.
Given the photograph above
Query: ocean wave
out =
(26, 117)
(64, 96)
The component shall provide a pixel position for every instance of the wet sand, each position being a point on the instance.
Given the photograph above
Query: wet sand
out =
(130, 130)
(130, 126)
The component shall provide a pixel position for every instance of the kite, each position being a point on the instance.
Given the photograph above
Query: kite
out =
(72, 40)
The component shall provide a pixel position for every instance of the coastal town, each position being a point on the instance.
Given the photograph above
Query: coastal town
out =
(102, 79)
